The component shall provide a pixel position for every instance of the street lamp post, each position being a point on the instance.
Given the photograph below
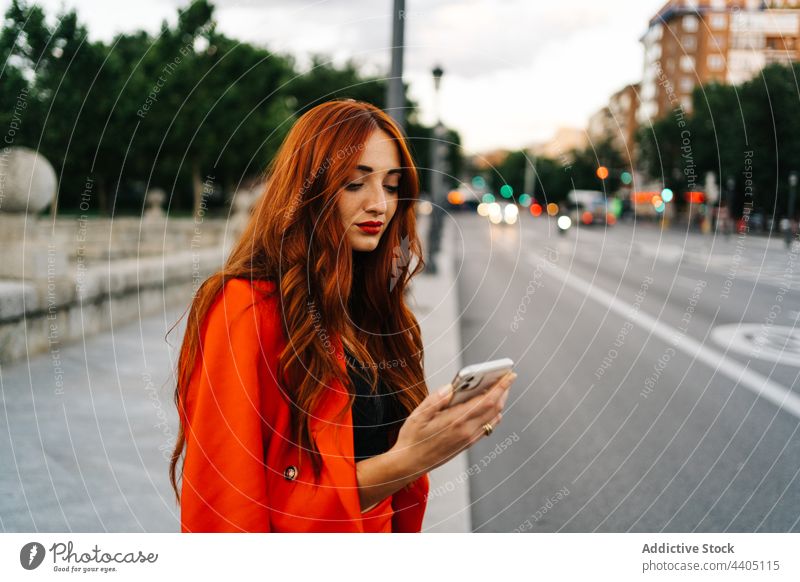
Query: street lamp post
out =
(530, 174)
(436, 181)
(790, 227)
(437, 81)
(731, 189)
(394, 89)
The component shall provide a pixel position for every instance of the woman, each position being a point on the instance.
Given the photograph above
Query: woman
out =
(306, 329)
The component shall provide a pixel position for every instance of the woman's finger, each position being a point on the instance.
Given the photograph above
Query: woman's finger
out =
(436, 401)
(481, 433)
(476, 407)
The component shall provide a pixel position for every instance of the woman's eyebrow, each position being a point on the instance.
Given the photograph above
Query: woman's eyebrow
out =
(370, 169)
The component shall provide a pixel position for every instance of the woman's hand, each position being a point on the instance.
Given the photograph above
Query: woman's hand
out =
(435, 433)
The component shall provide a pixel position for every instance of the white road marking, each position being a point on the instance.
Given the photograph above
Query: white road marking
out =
(776, 343)
(757, 383)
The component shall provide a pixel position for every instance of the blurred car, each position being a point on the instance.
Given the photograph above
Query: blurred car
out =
(464, 197)
(589, 207)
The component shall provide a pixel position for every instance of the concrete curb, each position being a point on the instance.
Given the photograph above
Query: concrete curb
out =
(434, 300)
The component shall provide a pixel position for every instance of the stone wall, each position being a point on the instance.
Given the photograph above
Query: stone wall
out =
(62, 282)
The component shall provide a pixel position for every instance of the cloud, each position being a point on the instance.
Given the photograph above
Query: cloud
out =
(473, 37)
(515, 70)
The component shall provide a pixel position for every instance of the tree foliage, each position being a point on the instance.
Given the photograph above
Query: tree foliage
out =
(554, 179)
(746, 135)
(179, 110)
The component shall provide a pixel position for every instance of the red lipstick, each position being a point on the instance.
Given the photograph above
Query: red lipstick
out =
(370, 226)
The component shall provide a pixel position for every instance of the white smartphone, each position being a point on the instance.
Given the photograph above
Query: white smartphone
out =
(476, 379)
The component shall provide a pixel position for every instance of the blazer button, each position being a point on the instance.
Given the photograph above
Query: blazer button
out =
(290, 473)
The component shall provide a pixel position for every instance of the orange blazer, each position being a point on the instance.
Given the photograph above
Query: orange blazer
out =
(241, 472)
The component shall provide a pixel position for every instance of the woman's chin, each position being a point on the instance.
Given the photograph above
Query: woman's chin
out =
(365, 246)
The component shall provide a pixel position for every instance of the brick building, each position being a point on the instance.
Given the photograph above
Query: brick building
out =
(694, 42)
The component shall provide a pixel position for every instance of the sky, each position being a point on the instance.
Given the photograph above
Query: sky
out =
(514, 70)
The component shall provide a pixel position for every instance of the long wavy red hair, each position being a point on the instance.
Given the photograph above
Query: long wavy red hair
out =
(296, 238)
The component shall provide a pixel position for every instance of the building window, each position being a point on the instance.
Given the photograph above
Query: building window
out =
(689, 42)
(687, 63)
(718, 21)
(655, 33)
(690, 23)
(716, 62)
(687, 84)
(748, 41)
(686, 103)
(718, 4)
(655, 52)
(658, 32)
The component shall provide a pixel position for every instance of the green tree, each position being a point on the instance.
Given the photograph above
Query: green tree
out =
(585, 163)
(176, 110)
(553, 181)
(732, 129)
(770, 105)
(60, 65)
(510, 171)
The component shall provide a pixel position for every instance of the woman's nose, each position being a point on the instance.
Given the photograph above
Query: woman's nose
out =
(377, 199)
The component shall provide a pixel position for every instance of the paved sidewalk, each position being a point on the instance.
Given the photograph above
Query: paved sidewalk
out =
(85, 433)
(435, 303)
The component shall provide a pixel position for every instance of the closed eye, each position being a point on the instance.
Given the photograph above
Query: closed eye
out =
(353, 186)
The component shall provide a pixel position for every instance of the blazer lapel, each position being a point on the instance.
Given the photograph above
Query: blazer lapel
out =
(334, 438)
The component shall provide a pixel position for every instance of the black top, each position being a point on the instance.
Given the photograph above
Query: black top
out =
(374, 415)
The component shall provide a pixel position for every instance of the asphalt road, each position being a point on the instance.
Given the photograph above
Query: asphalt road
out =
(641, 403)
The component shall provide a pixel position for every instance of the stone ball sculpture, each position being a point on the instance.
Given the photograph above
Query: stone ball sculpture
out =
(27, 181)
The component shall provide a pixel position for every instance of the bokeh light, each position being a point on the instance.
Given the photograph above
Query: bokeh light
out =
(478, 182)
(455, 197)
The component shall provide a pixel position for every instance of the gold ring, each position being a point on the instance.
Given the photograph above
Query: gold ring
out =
(488, 428)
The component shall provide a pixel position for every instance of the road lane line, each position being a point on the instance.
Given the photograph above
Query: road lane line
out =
(757, 383)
